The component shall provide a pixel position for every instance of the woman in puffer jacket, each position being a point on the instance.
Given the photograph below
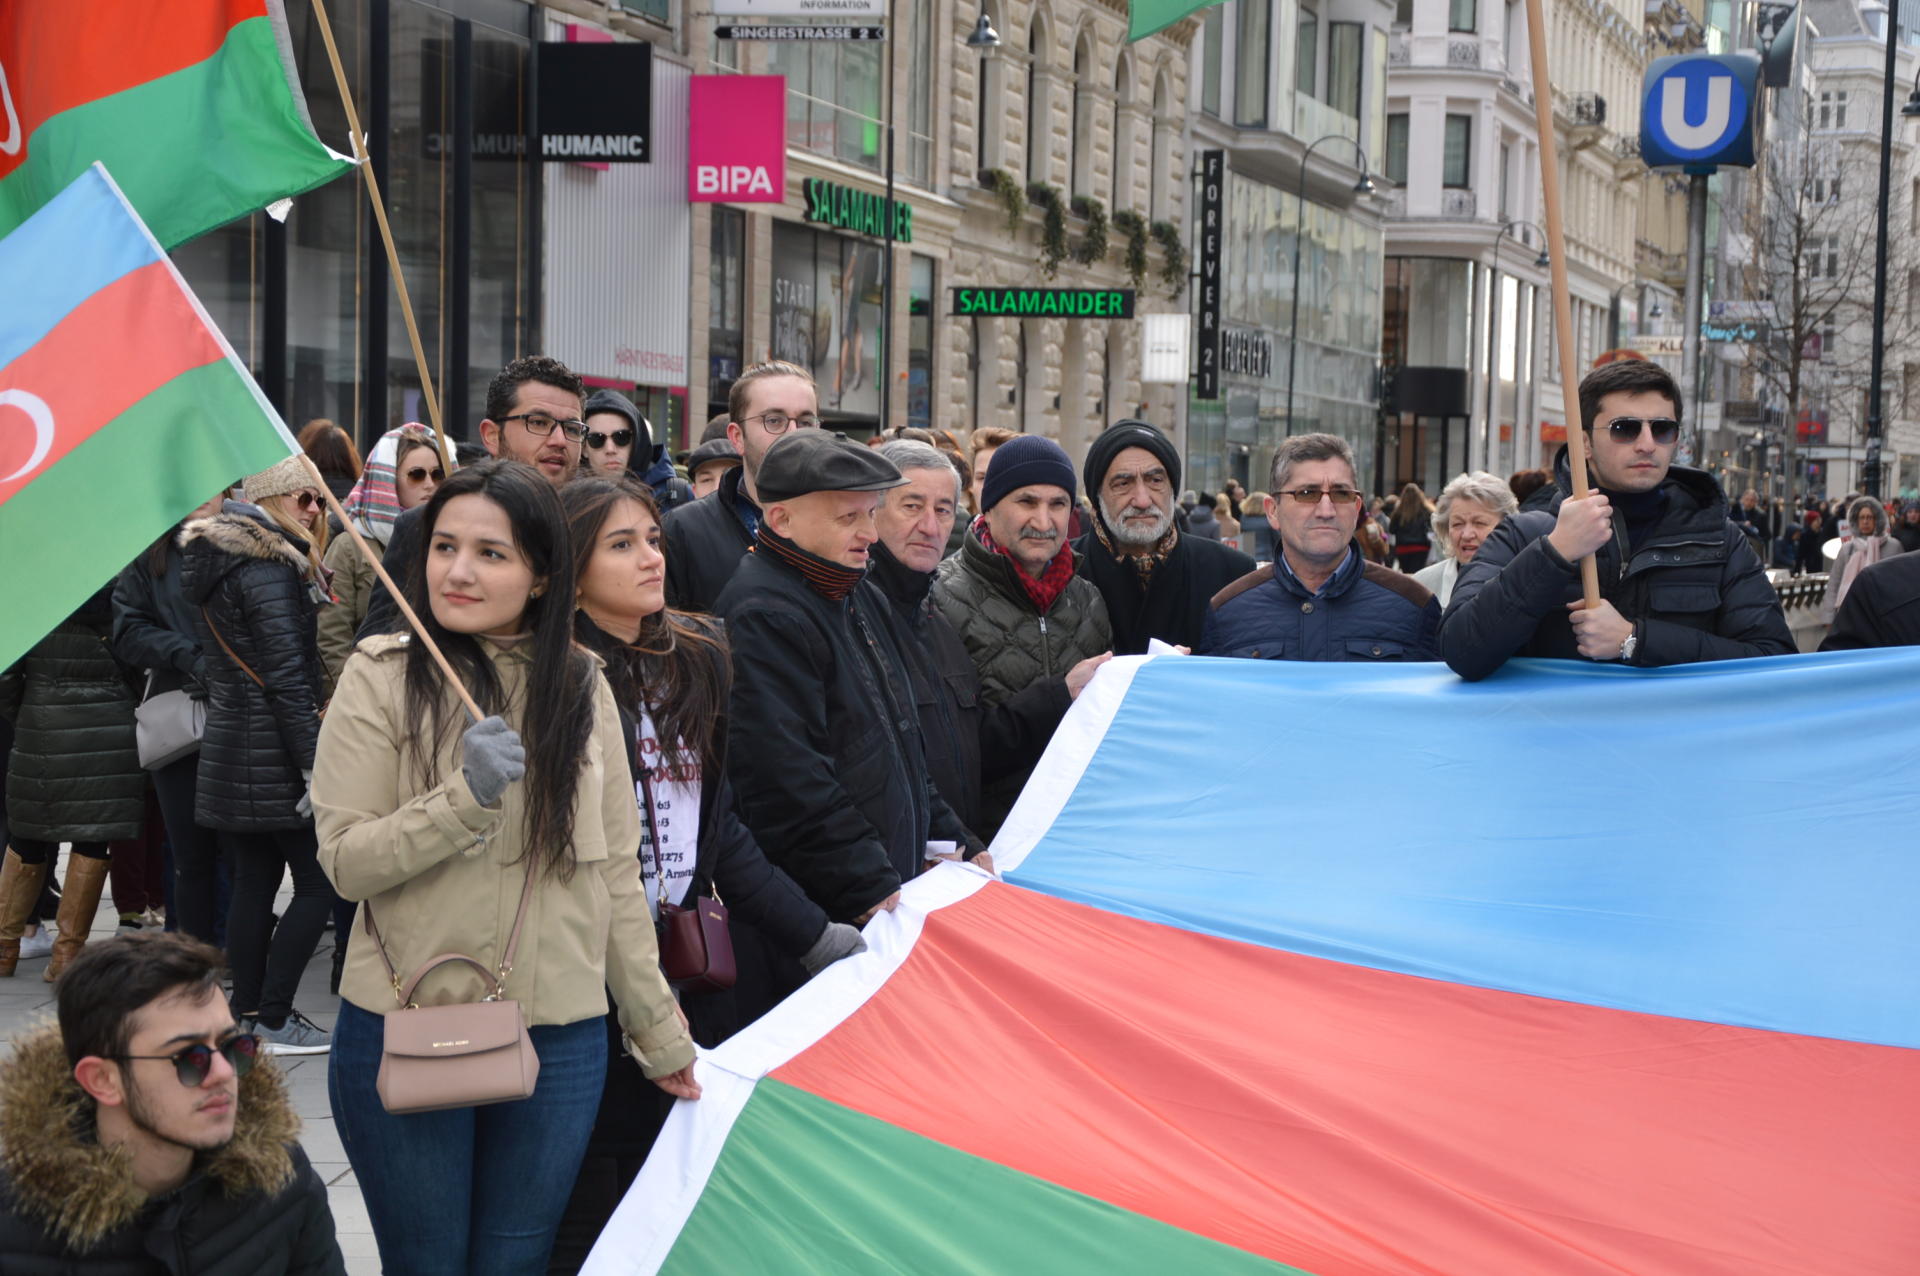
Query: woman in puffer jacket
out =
(253, 574)
(73, 776)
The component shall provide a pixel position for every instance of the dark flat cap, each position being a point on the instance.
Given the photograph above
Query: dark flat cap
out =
(706, 453)
(803, 461)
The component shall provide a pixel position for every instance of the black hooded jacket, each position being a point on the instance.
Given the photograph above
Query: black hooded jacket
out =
(1691, 585)
(249, 583)
(969, 742)
(1172, 605)
(648, 462)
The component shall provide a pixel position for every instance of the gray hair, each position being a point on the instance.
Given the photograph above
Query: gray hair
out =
(910, 454)
(1478, 486)
(1308, 447)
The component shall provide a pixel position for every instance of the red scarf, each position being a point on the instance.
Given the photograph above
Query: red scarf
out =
(1053, 581)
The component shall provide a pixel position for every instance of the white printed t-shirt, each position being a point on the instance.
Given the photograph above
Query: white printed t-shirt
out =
(676, 817)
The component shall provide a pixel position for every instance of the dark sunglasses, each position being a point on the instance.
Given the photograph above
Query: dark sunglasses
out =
(194, 1064)
(419, 473)
(1626, 429)
(308, 502)
(621, 438)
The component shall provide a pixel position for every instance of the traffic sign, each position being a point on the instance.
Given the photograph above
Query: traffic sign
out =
(1697, 111)
(799, 33)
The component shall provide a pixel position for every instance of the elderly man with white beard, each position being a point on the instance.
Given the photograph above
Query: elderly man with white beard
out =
(1156, 583)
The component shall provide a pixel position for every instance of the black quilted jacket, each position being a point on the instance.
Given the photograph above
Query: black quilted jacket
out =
(251, 581)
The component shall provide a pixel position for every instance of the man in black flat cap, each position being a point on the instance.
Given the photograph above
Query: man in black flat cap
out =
(823, 743)
(1155, 581)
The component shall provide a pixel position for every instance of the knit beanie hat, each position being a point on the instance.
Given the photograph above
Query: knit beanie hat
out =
(1024, 461)
(289, 475)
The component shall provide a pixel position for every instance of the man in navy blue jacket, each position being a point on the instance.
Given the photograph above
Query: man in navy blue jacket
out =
(1320, 599)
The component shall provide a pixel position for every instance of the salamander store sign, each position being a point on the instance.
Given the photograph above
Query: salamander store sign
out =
(1060, 303)
(844, 208)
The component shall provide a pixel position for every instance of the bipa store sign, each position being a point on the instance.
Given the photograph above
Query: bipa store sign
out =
(737, 139)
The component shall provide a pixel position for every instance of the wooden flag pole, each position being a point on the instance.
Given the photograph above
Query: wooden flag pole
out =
(386, 237)
(1557, 262)
(399, 598)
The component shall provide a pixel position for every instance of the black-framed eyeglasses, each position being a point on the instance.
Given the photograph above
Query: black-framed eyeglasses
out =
(774, 421)
(621, 438)
(420, 474)
(1313, 495)
(540, 425)
(194, 1064)
(1626, 429)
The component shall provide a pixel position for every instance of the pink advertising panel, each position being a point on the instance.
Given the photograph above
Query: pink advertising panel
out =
(737, 139)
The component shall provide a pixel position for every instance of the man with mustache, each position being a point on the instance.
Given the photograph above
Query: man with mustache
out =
(1012, 592)
(1156, 582)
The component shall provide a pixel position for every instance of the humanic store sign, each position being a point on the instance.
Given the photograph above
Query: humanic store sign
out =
(844, 208)
(1062, 303)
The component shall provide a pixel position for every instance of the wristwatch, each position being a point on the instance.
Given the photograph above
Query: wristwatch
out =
(1630, 644)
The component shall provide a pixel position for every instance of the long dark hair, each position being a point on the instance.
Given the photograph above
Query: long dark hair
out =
(557, 719)
(677, 668)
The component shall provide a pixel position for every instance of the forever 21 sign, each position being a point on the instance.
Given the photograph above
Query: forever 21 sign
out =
(596, 102)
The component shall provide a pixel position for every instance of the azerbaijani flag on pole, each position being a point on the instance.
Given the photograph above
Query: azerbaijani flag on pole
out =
(1146, 17)
(194, 106)
(121, 405)
(1613, 971)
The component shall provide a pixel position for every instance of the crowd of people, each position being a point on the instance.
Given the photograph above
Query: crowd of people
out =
(791, 680)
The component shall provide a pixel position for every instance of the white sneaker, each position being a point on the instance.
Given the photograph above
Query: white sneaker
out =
(38, 944)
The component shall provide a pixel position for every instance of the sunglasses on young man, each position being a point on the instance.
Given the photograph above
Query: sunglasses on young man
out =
(597, 440)
(1626, 429)
(194, 1064)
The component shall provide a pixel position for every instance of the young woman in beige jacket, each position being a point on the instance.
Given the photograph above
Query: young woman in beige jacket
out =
(435, 829)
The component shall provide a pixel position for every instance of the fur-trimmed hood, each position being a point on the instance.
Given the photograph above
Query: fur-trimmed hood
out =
(239, 533)
(64, 1180)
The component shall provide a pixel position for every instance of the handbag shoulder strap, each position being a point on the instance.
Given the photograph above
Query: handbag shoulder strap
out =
(403, 992)
(215, 631)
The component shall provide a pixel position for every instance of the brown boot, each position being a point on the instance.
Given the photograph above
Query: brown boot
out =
(79, 901)
(19, 889)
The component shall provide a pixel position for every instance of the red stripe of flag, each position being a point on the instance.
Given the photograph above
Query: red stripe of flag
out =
(54, 57)
(1355, 1122)
(108, 353)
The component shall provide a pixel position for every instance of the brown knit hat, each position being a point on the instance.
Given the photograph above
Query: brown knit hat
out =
(289, 475)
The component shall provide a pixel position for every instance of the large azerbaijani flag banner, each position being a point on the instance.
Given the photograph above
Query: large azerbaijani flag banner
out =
(193, 105)
(1578, 971)
(121, 405)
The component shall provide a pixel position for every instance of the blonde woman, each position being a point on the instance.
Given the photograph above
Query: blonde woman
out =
(1470, 507)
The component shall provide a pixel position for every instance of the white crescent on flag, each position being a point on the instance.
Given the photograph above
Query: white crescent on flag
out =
(10, 144)
(42, 417)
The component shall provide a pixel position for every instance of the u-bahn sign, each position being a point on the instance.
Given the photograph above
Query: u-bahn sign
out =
(1697, 111)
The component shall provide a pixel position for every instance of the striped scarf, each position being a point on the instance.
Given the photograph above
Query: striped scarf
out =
(826, 578)
(374, 502)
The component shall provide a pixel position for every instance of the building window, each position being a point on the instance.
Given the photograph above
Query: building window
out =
(1252, 52)
(1124, 141)
(1461, 16)
(1343, 66)
(1823, 257)
(1506, 181)
(1306, 66)
(1037, 126)
(1080, 130)
(1211, 37)
(833, 97)
(826, 315)
(726, 303)
(1833, 109)
(918, 83)
(920, 297)
(1456, 159)
(1396, 156)
(1403, 13)
(1161, 161)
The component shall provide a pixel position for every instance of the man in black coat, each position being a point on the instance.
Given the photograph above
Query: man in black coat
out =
(968, 742)
(706, 538)
(823, 748)
(1156, 582)
(1678, 582)
(137, 1135)
(1882, 609)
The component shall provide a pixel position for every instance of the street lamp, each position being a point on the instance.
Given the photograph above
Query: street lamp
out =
(1362, 187)
(1541, 262)
(984, 36)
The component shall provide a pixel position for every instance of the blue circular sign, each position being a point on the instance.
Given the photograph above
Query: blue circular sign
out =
(1697, 109)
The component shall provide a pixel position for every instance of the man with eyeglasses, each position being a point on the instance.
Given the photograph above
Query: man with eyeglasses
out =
(707, 538)
(137, 1134)
(1679, 583)
(1320, 599)
(1156, 582)
(620, 441)
(534, 409)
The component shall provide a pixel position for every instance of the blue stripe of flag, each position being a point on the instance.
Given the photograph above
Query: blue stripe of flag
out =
(80, 241)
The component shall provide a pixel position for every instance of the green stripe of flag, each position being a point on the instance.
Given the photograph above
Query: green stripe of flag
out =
(192, 149)
(1144, 17)
(805, 1185)
(67, 532)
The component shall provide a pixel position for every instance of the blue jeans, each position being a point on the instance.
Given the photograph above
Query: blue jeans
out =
(468, 1191)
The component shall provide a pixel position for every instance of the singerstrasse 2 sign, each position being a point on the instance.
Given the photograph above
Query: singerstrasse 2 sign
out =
(1064, 303)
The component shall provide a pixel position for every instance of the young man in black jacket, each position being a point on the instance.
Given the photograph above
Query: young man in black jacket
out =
(137, 1133)
(1881, 610)
(828, 767)
(1678, 582)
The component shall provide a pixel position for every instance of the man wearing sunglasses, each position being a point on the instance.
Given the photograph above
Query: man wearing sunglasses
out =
(1320, 599)
(1678, 581)
(620, 441)
(137, 1133)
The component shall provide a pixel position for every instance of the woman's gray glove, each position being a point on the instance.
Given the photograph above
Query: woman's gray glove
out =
(492, 758)
(304, 807)
(836, 941)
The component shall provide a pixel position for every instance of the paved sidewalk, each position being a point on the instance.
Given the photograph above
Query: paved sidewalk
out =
(25, 1001)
